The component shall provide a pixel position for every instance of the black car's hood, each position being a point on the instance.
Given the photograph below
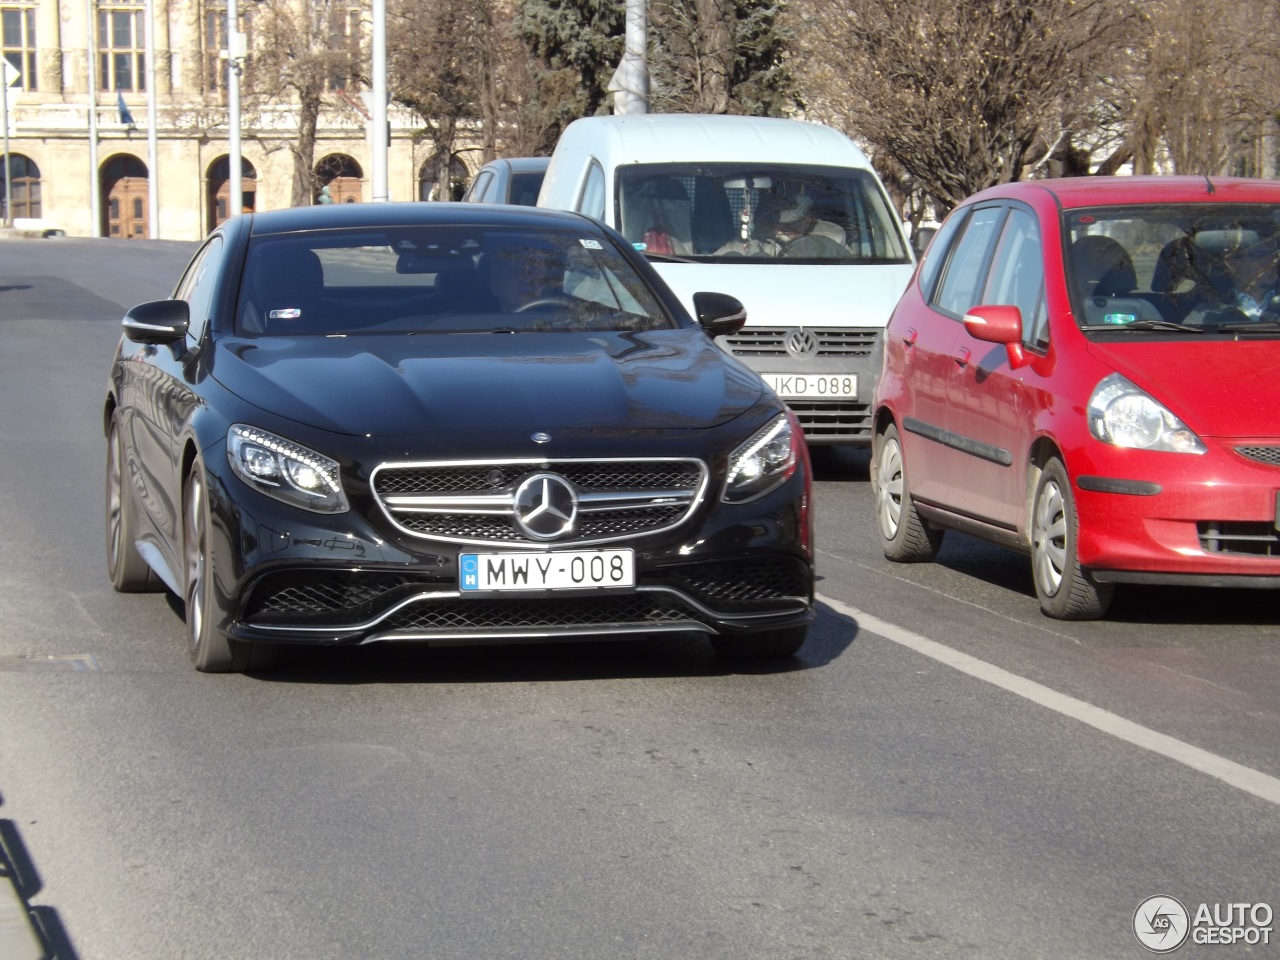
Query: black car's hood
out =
(490, 383)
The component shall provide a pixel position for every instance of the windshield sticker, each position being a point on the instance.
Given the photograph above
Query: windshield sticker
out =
(1119, 318)
(590, 244)
(292, 313)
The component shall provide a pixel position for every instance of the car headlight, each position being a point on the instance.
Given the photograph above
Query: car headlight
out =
(285, 470)
(1122, 414)
(765, 460)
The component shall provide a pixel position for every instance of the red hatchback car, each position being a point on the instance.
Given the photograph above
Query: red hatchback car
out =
(1088, 370)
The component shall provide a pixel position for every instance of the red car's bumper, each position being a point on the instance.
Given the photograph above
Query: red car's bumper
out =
(1182, 518)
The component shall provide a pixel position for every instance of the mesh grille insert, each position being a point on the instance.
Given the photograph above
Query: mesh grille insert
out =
(331, 596)
(485, 615)
(1270, 455)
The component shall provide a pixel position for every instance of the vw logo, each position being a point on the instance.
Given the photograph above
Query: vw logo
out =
(545, 506)
(802, 343)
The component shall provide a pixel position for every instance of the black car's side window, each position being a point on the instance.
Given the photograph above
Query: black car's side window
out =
(197, 287)
(967, 266)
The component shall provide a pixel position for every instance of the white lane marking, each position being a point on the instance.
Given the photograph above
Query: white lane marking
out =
(1228, 771)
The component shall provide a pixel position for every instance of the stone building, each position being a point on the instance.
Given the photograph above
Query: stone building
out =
(54, 158)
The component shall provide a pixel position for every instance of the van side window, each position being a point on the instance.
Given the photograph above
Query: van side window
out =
(592, 200)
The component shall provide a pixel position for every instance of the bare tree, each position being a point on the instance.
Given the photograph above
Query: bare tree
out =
(305, 51)
(1205, 87)
(963, 95)
(694, 54)
(720, 56)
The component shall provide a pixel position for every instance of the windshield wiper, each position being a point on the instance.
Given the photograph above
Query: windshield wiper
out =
(1248, 326)
(1140, 325)
(666, 257)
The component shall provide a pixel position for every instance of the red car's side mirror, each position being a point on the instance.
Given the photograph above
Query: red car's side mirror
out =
(998, 324)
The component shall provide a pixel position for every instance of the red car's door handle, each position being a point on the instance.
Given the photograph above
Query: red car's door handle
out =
(909, 338)
(962, 358)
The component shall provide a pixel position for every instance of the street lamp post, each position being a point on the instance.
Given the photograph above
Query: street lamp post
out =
(153, 175)
(235, 63)
(380, 141)
(11, 75)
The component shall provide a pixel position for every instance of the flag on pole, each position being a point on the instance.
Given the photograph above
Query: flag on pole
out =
(125, 116)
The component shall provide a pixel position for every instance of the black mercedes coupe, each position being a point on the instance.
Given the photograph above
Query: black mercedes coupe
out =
(453, 424)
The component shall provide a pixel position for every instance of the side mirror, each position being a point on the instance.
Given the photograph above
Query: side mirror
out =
(998, 324)
(920, 240)
(719, 314)
(158, 321)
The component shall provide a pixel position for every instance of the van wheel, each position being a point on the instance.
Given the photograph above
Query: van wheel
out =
(1065, 591)
(904, 536)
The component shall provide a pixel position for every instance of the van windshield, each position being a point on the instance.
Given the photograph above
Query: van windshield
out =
(725, 212)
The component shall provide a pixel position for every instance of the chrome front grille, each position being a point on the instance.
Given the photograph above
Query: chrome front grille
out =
(474, 502)
(1270, 455)
(831, 342)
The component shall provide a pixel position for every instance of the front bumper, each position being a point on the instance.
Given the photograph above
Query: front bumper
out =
(287, 576)
(1212, 519)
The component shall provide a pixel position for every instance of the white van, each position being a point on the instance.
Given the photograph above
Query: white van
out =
(787, 216)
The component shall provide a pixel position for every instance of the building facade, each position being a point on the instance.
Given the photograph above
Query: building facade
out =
(70, 130)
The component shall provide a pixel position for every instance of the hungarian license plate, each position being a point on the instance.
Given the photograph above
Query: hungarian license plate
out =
(569, 570)
(814, 386)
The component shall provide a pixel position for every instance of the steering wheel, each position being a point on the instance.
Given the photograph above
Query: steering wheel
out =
(551, 302)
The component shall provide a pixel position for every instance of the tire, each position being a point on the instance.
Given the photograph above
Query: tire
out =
(211, 651)
(904, 536)
(766, 645)
(1065, 591)
(128, 572)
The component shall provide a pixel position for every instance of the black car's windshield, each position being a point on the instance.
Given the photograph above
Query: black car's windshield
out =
(723, 212)
(1202, 267)
(442, 280)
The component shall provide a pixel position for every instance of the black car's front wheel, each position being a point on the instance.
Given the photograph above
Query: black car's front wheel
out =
(129, 573)
(768, 644)
(211, 650)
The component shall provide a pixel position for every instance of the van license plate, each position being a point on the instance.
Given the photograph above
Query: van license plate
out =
(570, 570)
(814, 386)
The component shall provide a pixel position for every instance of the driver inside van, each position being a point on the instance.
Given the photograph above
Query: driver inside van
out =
(800, 233)
(780, 227)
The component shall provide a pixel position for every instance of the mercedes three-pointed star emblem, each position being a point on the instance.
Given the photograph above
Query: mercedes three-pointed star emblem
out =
(545, 506)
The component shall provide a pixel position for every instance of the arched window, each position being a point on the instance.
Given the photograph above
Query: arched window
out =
(429, 178)
(124, 183)
(24, 179)
(339, 179)
(218, 189)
